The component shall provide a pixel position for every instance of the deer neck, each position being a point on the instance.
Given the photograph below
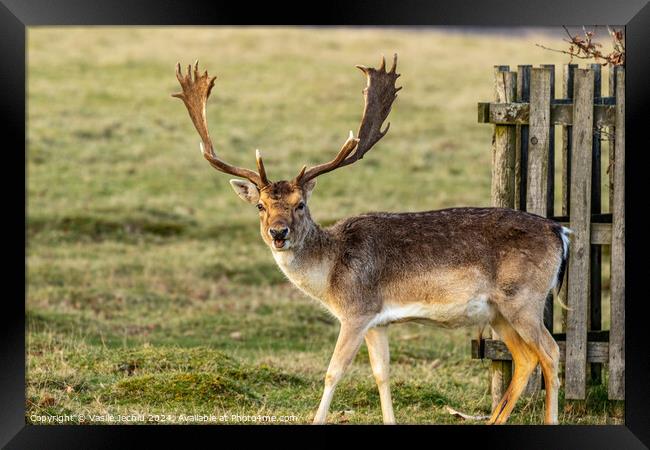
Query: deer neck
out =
(309, 264)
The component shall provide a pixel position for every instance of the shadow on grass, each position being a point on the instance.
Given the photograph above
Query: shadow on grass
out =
(229, 383)
(109, 224)
(132, 226)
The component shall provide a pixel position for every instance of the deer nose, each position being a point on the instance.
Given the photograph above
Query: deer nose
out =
(279, 233)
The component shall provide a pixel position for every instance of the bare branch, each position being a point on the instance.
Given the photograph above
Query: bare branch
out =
(586, 48)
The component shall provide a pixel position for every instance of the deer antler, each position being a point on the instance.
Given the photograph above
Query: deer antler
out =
(196, 90)
(379, 95)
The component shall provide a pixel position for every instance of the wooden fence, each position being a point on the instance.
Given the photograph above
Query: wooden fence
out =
(525, 114)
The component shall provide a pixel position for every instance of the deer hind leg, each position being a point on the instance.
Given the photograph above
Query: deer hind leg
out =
(377, 342)
(525, 360)
(347, 346)
(548, 353)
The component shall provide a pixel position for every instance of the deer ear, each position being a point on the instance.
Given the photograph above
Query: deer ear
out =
(246, 190)
(308, 187)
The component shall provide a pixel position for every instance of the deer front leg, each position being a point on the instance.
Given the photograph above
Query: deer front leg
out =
(347, 346)
(377, 342)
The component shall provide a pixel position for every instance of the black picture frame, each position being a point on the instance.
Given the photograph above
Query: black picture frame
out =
(17, 15)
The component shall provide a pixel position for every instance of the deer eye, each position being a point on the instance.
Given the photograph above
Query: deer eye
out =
(300, 206)
(260, 207)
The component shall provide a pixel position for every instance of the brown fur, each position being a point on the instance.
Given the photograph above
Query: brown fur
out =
(447, 250)
(445, 257)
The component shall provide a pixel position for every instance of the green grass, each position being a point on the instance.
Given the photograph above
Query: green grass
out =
(149, 289)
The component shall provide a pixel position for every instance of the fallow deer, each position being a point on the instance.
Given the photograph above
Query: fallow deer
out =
(451, 267)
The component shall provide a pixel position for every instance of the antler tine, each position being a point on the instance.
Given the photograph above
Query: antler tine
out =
(196, 70)
(195, 93)
(260, 167)
(379, 94)
(394, 66)
(301, 174)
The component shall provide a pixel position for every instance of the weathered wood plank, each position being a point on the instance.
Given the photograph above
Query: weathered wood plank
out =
(550, 191)
(538, 143)
(561, 114)
(595, 320)
(502, 193)
(503, 144)
(616, 388)
(538, 157)
(597, 352)
(521, 157)
(567, 93)
(550, 179)
(578, 296)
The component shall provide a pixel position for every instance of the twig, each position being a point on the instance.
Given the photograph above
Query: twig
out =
(585, 48)
(453, 412)
(573, 55)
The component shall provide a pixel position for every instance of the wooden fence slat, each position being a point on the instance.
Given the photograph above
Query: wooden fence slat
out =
(503, 147)
(567, 93)
(616, 387)
(538, 143)
(578, 298)
(550, 179)
(521, 158)
(550, 191)
(503, 195)
(538, 157)
(595, 321)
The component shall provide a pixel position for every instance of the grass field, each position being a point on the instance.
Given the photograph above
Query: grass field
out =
(150, 291)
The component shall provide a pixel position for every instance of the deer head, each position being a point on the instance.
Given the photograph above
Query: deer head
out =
(283, 212)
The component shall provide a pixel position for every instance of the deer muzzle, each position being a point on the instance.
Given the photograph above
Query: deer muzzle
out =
(279, 236)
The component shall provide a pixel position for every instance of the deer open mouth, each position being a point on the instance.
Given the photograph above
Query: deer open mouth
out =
(279, 243)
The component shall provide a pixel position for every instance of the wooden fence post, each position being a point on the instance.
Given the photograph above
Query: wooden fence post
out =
(538, 158)
(595, 321)
(580, 223)
(503, 195)
(616, 387)
(550, 178)
(550, 191)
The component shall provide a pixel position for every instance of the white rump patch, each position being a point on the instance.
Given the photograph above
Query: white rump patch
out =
(565, 241)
